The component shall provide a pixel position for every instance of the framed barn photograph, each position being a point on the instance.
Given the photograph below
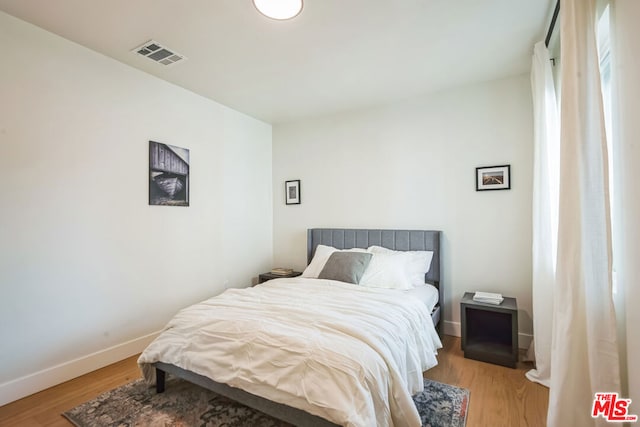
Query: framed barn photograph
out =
(493, 178)
(168, 175)
(292, 192)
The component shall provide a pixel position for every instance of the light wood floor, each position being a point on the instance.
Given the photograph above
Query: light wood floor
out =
(499, 396)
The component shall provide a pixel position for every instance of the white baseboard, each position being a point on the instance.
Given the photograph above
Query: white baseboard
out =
(38, 381)
(524, 340)
(453, 328)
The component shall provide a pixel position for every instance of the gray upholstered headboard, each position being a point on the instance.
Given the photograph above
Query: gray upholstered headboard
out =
(399, 240)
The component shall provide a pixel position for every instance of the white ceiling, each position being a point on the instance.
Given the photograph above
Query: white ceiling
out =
(336, 55)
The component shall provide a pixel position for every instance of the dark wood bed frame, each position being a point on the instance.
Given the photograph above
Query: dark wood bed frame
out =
(402, 240)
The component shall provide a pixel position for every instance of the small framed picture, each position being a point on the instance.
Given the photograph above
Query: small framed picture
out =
(292, 192)
(493, 178)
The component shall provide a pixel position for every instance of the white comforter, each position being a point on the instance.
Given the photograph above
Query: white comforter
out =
(350, 354)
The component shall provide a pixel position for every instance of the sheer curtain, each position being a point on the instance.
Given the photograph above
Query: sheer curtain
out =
(545, 208)
(584, 358)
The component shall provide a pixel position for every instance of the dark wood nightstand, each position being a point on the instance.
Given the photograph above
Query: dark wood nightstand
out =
(268, 276)
(490, 332)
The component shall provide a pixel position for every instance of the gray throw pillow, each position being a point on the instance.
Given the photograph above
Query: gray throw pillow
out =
(346, 266)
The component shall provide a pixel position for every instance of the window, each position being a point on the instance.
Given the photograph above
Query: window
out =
(604, 54)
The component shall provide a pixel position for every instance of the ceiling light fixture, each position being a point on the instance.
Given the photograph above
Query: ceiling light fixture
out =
(279, 9)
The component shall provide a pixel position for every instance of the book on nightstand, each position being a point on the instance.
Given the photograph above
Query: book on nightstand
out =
(279, 271)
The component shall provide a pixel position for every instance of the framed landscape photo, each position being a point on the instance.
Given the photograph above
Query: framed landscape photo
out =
(493, 178)
(292, 192)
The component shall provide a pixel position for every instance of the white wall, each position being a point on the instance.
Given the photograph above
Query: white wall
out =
(248, 199)
(412, 165)
(85, 263)
(627, 70)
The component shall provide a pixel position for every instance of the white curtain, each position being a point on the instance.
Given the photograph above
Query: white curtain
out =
(545, 208)
(584, 359)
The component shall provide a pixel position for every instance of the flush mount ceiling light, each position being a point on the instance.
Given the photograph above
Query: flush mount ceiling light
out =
(279, 9)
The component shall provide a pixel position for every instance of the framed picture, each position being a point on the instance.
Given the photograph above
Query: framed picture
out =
(168, 175)
(292, 192)
(493, 178)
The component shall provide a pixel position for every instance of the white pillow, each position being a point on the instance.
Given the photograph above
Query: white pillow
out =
(387, 270)
(418, 263)
(320, 258)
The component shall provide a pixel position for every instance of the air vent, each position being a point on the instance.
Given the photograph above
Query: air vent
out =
(158, 53)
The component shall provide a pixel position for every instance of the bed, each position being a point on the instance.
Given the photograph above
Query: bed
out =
(275, 352)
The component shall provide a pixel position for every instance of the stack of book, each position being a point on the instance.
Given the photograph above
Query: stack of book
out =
(488, 298)
(279, 271)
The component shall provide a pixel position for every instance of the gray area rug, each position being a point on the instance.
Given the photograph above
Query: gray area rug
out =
(187, 405)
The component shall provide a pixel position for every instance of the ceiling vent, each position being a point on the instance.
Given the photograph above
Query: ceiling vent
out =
(158, 53)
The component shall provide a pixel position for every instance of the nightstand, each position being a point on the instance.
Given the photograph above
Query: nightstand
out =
(490, 332)
(268, 276)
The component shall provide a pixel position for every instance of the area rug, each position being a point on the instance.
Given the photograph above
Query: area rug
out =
(187, 405)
